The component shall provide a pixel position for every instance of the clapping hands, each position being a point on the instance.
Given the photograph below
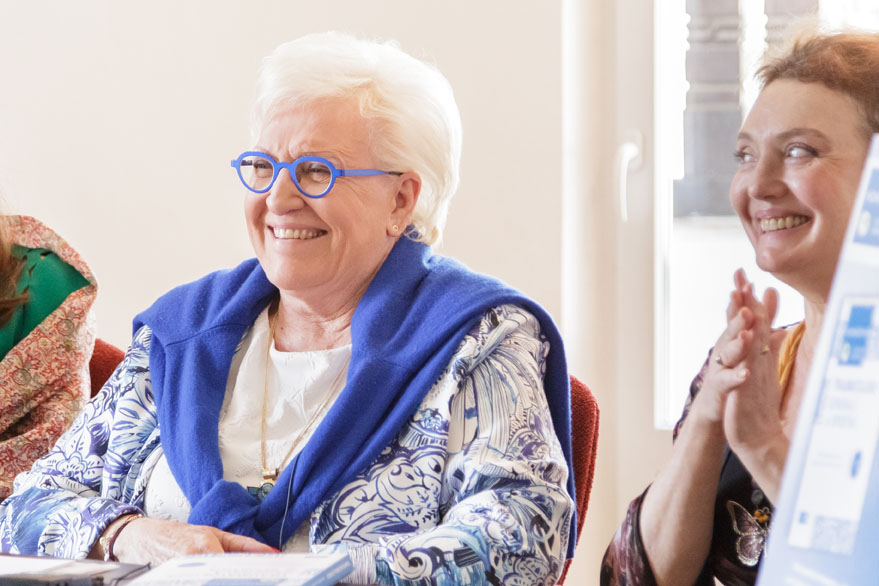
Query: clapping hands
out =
(740, 390)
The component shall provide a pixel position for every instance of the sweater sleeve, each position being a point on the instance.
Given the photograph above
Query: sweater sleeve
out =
(63, 504)
(504, 514)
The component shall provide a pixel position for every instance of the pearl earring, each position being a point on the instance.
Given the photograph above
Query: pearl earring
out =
(395, 228)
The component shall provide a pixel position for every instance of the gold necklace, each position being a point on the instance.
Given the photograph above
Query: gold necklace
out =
(270, 475)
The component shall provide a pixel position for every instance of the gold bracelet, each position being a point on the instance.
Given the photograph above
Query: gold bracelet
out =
(108, 541)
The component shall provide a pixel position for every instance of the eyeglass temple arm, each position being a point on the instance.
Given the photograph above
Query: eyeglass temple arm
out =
(365, 172)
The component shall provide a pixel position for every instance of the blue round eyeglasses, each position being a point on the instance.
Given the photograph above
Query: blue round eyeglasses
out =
(313, 176)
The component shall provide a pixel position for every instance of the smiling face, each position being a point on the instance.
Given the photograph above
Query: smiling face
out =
(801, 152)
(326, 250)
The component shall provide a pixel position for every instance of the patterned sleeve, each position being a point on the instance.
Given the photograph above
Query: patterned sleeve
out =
(504, 512)
(625, 562)
(63, 504)
(695, 387)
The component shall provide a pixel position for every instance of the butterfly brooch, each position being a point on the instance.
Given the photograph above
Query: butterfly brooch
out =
(751, 529)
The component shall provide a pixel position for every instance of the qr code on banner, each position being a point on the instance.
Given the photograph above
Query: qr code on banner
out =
(834, 535)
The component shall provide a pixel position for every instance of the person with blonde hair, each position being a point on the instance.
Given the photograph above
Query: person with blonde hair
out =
(801, 152)
(345, 389)
(46, 340)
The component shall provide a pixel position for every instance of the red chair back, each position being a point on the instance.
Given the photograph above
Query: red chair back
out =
(105, 359)
(584, 443)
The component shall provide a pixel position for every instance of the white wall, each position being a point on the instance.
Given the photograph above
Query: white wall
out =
(118, 121)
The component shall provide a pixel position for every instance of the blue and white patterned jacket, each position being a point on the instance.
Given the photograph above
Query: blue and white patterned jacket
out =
(477, 473)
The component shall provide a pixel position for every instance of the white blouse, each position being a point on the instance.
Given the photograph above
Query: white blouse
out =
(301, 388)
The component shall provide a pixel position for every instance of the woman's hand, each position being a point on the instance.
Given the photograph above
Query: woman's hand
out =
(752, 415)
(677, 513)
(726, 369)
(147, 540)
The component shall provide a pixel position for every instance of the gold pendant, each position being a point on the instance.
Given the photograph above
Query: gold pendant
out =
(270, 474)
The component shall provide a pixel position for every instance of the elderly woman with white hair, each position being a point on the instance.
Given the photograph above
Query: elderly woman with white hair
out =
(344, 389)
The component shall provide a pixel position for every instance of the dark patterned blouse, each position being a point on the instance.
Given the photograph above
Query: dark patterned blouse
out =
(741, 524)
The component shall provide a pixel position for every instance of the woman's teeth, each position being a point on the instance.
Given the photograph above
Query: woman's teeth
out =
(287, 234)
(773, 224)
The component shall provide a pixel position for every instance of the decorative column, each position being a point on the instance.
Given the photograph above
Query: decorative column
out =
(712, 116)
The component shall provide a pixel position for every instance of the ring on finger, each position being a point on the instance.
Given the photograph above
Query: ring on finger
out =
(719, 360)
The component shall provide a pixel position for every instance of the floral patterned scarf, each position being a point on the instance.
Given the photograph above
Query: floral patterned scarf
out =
(44, 379)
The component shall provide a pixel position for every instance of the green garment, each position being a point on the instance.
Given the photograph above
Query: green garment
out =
(48, 280)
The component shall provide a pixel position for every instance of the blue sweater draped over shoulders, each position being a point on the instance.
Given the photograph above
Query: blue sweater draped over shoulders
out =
(404, 332)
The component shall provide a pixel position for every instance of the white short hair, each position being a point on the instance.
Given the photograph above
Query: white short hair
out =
(418, 123)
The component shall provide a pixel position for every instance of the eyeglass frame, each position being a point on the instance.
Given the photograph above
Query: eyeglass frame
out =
(277, 166)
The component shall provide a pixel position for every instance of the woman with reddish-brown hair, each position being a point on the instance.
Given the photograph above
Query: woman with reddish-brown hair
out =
(46, 339)
(801, 151)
